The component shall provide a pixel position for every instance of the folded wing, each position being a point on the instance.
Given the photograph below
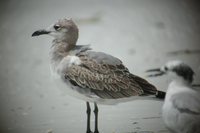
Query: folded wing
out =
(107, 77)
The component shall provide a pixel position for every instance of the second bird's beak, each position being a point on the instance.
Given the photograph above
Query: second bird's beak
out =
(40, 32)
(158, 72)
(195, 85)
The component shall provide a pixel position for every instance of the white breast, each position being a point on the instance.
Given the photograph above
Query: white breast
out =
(58, 69)
(67, 62)
(61, 67)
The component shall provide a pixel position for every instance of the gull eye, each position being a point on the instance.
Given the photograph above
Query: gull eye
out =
(57, 27)
(165, 68)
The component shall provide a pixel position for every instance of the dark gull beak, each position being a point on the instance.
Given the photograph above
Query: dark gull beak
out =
(158, 72)
(40, 32)
(195, 85)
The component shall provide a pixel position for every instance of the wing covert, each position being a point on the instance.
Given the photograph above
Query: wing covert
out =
(104, 75)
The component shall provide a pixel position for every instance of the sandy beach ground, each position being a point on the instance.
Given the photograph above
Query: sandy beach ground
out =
(142, 33)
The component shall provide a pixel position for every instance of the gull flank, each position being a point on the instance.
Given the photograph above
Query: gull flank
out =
(92, 76)
(181, 109)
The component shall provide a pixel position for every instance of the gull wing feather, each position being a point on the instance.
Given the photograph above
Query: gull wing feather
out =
(187, 102)
(106, 76)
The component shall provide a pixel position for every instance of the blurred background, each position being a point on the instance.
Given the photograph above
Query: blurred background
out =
(142, 33)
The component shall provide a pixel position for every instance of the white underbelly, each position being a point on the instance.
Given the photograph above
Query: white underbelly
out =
(68, 89)
(180, 122)
(170, 116)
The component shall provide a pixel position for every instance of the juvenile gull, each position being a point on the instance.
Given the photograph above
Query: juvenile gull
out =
(92, 76)
(181, 109)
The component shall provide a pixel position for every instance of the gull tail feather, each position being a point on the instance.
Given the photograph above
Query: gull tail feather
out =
(160, 94)
(148, 88)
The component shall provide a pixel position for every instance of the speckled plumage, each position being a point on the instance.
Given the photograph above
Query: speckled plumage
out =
(107, 77)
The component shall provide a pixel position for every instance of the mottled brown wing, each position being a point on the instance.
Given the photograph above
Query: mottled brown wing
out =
(104, 75)
(148, 88)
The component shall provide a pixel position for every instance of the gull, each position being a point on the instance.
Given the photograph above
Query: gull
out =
(92, 76)
(181, 108)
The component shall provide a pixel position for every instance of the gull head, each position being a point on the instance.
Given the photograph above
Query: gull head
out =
(63, 30)
(178, 67)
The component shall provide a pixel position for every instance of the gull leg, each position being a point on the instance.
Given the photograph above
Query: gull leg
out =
(96, 118)
(88, 117)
